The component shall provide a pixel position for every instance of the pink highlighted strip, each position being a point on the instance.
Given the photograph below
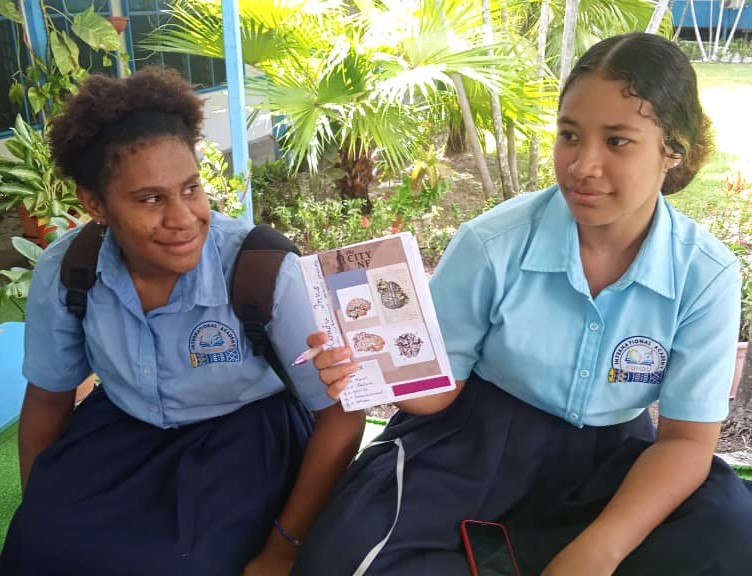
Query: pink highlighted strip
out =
(421, 385)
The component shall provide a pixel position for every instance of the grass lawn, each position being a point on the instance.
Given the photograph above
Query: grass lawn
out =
(10, 485)
(725, 92)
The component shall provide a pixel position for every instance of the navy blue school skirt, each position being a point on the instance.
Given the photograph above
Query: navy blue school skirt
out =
(116, 496)
(490, 456)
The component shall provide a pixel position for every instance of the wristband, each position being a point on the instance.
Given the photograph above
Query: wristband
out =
(297, 542)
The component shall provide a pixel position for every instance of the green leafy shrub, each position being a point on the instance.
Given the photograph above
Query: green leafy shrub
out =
(29, 176)
(16, 280)
(731, 222)
(272, 186)
(225, 191)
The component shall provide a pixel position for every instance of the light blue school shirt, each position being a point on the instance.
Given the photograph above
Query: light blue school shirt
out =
(184, 362)
(514, 306)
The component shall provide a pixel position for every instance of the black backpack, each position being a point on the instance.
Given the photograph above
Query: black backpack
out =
(252, 292)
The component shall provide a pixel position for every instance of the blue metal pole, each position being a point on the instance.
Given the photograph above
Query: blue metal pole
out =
(35, 26)
(236, 95)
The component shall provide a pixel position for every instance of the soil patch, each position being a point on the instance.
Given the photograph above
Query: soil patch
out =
(10, 226)
(736, 433)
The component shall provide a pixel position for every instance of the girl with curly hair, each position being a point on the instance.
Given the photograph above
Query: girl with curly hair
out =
(190, 458)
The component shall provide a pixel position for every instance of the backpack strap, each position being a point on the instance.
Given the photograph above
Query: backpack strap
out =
(79, 268)
(253, 284)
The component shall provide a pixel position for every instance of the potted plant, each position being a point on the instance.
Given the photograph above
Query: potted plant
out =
(30, 182)
(118, 23)
(15, 288)
(48, 78)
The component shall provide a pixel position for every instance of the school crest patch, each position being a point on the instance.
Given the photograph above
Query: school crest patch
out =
(638, 359)
(212, 342)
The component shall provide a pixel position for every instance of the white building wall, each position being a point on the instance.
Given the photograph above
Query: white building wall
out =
(217, 128)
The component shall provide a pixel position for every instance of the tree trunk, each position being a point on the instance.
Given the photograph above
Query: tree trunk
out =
(543, 24)
(506, 169)
(743, 397)
(472, 138)
(359, 173)
(681, 21)
(512, 155)
(657, 17)
(456, 140)
(567, 42)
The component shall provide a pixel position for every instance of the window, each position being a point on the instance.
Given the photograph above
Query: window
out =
(13, 56)
(61, 12)
(145, 16)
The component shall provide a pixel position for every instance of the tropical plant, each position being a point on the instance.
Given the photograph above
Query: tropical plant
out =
(50, 77)
(415, 199)
(15, 288)
(272, 185)
(225, 192)
(30, 177)
(596, 20)
(360, 78)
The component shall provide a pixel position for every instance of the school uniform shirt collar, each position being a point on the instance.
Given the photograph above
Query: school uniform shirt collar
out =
(653, 267)
(205, 285)
(555, 248)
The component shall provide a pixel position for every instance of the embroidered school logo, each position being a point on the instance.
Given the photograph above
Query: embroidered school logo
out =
(212, 342)
(638, 359)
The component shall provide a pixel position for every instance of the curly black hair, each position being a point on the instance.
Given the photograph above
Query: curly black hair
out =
(109, 114)
(657, 71)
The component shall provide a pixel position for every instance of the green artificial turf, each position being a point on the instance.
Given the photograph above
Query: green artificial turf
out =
(745, 472)
(10, 485)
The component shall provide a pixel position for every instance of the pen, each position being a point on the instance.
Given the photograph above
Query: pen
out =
(309, 354)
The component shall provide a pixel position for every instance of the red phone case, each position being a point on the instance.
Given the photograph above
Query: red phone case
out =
(469, 548)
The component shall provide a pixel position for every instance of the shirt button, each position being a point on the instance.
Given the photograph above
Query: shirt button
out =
(584, 373)
(594, 326)
(147, 370)
(153, 409)
(574, 415)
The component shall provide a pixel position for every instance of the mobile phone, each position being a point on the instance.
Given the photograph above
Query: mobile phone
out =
(488, 550)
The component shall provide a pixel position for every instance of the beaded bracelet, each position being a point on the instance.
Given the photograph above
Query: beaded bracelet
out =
(297, 542)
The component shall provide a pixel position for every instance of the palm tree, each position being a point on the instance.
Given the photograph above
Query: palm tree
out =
(661, 9)
(567, 39)
(596, 20)
(358, 82)
(541, 41)
(505, 168)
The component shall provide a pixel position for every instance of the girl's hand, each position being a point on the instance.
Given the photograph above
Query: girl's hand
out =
(269, 563)
(333, 365)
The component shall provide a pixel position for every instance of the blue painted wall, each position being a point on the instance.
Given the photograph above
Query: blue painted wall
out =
(703, 11)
